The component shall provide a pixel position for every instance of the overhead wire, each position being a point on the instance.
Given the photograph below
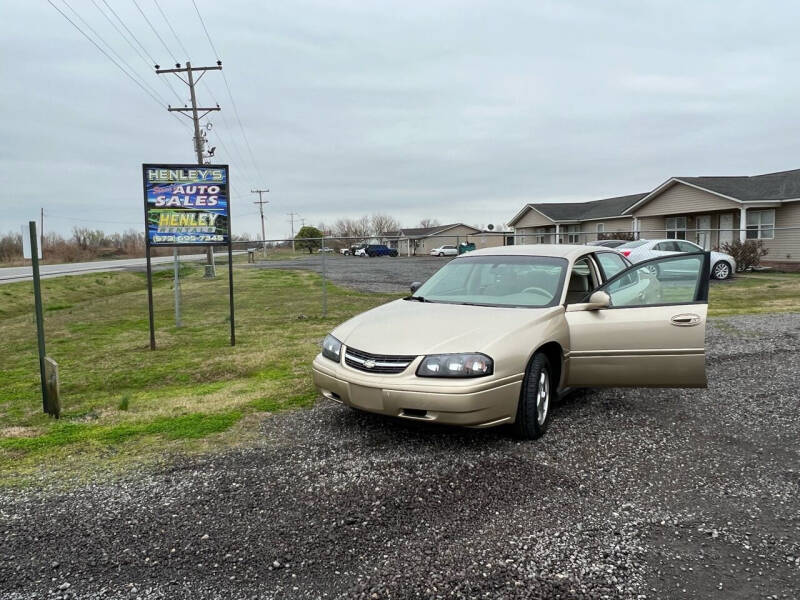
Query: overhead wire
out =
(238, 156)
(172, 29)
(155, 31)
(135, 49)
(109, 57)
(203, 23)
(110, 49)
(230, 95)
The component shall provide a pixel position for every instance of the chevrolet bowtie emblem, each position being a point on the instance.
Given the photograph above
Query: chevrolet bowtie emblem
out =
(369, 364)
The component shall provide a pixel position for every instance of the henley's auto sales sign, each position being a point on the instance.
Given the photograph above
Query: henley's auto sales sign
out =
(186, 204)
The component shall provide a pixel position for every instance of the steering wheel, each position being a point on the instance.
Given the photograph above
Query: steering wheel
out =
(537, 290)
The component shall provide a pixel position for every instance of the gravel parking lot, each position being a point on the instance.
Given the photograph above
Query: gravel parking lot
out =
(379, 274)
(631, 494)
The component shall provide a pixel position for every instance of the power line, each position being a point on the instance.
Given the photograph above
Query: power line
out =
(230, 95)
(107, 45)
(203, 23)
(152, 60)
(235, 146)
(163, 43)
(131, 44)
(241, 127)
(174, 33)
(108, 56)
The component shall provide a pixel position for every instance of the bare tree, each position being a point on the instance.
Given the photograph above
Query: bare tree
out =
(362, 228)
(382, 223)
(428, 223)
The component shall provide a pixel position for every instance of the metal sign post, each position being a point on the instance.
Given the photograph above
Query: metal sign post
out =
(230, 288)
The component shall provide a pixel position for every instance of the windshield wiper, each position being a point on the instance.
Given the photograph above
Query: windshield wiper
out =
(417, 298)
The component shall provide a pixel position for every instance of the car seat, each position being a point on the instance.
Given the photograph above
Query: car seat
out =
(579, 286)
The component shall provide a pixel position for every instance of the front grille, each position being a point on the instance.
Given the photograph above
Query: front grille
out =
(376, 363)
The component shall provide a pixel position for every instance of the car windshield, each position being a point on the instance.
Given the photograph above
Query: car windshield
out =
(635, 244)
(524, 281)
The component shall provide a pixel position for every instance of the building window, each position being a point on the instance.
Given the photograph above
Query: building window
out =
(573, 234)
(676, 228)
(601, 228)
(760, 224)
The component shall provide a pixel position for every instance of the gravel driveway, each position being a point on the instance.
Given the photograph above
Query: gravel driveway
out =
(379, 274)
(631, 494)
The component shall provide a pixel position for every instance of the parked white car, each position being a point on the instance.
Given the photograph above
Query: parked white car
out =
(445, 251)
(722, 265)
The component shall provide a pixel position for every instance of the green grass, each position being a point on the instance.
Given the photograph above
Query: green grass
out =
(192, 393)
(755, 293)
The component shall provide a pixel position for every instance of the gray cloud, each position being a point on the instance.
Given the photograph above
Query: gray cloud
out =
(456, 110)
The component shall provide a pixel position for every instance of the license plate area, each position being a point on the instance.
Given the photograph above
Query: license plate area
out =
(367, 398)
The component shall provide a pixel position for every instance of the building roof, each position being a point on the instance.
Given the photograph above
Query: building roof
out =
(421, 232)
(583, 211)
(784, 185)
(776, 187)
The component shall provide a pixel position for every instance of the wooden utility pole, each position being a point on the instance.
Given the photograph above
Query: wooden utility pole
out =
(193, 113)
(292, 215)
(261, 202)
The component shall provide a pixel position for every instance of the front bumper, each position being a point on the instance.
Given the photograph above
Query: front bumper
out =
(470, 403)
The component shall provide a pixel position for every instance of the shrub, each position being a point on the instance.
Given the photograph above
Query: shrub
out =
(747, 254)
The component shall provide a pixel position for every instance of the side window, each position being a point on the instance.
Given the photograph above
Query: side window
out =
(611, 262)
(671, 280)
(687, 247)
(667, 247)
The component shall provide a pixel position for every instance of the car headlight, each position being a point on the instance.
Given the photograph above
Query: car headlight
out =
(331, 348)
(456, 365)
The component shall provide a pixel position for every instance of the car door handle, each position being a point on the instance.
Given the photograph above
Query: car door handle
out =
(685, 320)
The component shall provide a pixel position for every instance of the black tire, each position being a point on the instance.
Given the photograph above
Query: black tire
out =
(721, 270)
(530, 423)
(441, 254)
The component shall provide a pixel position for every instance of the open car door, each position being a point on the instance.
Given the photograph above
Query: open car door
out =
(645, 327)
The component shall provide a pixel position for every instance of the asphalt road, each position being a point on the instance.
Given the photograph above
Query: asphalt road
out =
(631, 494)
(11, 274)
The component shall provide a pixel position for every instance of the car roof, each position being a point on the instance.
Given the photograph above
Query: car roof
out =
(568, 251)
(655, 241)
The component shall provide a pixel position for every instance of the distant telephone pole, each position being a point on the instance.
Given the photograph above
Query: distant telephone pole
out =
(261, 202)
(292, 215)
(199, 140)
(41, 230)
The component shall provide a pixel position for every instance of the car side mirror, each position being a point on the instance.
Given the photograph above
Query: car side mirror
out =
(596, 301)
(415, 286)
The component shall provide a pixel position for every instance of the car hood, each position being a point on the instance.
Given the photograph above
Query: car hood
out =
(406, 327)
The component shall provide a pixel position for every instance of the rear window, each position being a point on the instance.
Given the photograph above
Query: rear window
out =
(634, 244)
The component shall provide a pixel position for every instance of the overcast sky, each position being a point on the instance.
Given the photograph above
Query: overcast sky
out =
(459, 111)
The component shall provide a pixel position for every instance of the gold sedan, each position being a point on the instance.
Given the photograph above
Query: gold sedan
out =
(496, 335)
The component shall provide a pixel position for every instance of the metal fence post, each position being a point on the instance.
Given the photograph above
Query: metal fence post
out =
(177, 285)
(324, 281)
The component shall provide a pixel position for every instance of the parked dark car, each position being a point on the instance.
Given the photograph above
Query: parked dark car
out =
(377, 250)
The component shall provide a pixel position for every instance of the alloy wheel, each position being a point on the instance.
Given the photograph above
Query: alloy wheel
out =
(721, 270)
(543, 397)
